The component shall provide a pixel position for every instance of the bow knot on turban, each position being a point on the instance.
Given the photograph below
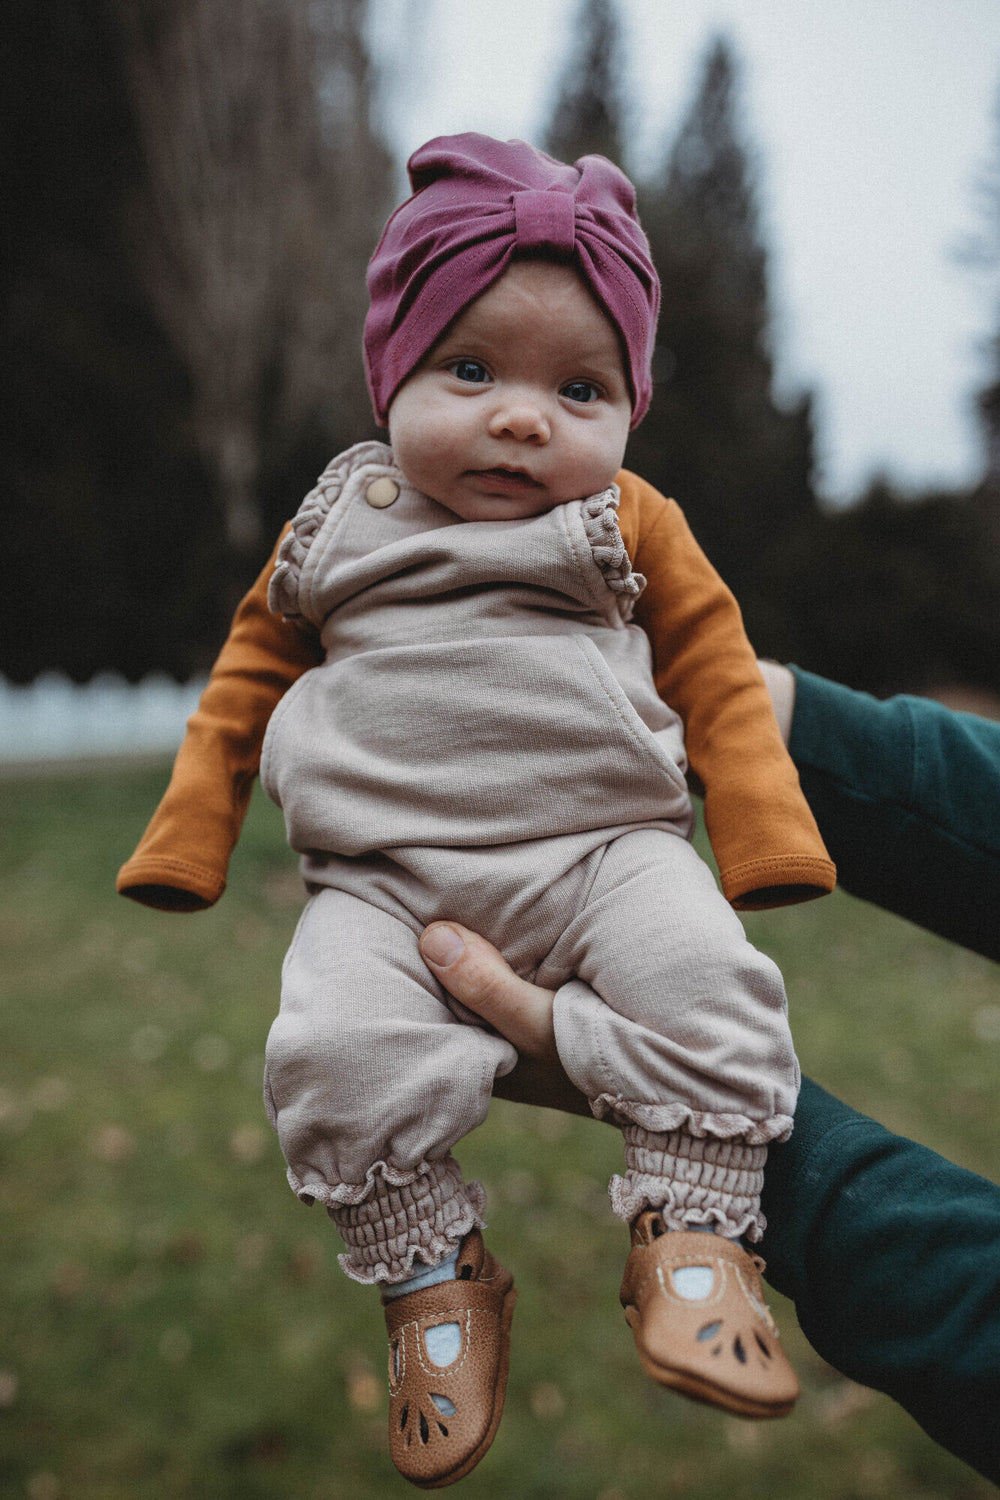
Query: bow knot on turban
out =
(544, 219)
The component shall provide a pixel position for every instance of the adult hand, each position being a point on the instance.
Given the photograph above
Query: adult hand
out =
(476, 975)
(781, 685)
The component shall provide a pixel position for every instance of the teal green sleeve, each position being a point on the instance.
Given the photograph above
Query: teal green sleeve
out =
(891, 1255)
(907, 797)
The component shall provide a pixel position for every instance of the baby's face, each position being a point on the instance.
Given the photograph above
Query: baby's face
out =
(522, 404)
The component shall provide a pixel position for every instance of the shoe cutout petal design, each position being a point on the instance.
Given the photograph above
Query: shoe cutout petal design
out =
(443, 1418)
(723, 1348)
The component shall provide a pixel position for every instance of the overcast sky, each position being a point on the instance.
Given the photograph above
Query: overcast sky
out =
(871, 118)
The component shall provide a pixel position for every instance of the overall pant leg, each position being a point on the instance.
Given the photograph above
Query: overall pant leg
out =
(370, 1080)
(674, 1024)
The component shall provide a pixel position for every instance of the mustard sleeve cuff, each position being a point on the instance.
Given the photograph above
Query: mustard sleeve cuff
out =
(169, 884)
(761, 884)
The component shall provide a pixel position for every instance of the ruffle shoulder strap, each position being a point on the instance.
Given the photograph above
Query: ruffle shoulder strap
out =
(283, 589)
(600, 522)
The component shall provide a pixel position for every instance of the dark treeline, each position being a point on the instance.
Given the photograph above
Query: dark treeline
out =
(194, 187)
(197, 185)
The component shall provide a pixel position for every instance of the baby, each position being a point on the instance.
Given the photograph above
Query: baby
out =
(492, 716)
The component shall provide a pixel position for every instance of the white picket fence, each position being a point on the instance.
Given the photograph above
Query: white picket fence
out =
(55, 719)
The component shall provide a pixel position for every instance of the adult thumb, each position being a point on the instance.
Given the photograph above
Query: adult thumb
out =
(478, 976)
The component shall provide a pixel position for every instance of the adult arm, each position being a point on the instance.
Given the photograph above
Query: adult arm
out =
(890, 1252)
(891, 1255)
(907, 797)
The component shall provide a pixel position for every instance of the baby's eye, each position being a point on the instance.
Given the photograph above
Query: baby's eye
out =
(470, 370)
(581, 390)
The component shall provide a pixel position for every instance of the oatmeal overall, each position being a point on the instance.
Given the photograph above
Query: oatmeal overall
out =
(484, 742)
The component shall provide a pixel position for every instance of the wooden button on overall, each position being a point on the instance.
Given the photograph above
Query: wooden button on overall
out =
(382, 492)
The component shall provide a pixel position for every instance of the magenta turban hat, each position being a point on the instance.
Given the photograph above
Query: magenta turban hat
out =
(476, 204)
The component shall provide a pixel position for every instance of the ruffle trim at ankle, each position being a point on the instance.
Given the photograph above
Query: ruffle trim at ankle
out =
(734, 1218)
(344, 1194)
(693, 1181)
(600, 523)
(662, 1118)
(429, 1215)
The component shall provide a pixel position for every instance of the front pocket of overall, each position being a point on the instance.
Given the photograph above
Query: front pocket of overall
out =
(660, 733)
(487, 741)
(271, 748)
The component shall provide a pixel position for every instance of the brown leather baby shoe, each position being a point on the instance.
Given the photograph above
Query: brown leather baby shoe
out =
(443, 1418)
(721, 1347)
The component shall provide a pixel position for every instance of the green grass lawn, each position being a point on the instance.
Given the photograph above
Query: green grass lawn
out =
(174, 1323)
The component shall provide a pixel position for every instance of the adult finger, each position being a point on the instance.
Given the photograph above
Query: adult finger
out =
(479, 977)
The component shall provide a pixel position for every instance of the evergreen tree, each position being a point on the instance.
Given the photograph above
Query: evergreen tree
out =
(902, 591)
(589, 114)
(715, 436)
(897, 593)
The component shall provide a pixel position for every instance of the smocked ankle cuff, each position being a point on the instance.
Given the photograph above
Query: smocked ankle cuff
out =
(428, 1217)
(692, 1180)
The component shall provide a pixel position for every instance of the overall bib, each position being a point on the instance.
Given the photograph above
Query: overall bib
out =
(484, 743)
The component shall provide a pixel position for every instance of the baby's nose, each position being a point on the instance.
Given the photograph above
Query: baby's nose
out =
(525, 421)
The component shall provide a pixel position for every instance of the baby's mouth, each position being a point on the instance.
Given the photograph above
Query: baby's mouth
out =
(507, 479)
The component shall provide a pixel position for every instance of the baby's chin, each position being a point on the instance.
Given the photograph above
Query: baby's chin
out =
(506, 507)
(509, 501)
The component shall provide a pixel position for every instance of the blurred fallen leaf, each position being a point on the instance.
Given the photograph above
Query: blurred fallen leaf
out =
(364, 1389)
(248, 1144)
(50, 1093)
(742, 1436)
(305, 1261)
(69, 1278)
(209, 1053)
(187, 1248)
(547, 1402)
(845, 1402)
(175, 1345)
(112, 1143)
(44, 1486)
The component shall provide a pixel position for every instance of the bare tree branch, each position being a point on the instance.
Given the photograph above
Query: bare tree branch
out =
(255, 123)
